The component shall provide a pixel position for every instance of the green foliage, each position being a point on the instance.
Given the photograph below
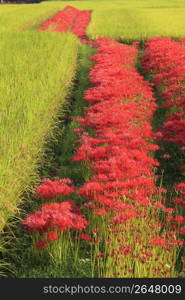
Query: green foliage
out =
(75, 170)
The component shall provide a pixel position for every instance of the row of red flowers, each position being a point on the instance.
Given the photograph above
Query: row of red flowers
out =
(165, 59)
(118, 150)
(69, 19)
(116, 141)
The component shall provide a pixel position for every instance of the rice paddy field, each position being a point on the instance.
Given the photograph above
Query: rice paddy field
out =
(92, 139)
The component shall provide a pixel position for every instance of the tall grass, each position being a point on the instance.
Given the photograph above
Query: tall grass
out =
(36, 72)
(16, 17)
(120, 3)
(137, 24)
(124, 20)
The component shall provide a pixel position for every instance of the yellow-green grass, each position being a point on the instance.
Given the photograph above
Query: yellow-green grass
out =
(121, 3)
(125, 20)
(21, 17)
(137, 24)
(36, 73)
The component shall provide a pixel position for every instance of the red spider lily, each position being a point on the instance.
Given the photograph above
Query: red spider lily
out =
(100, 255)
(122, 218)
(52, 236)
(100, 212)
(122, 186)
(179, 219)
(121, 105)
(125, 250)
(95, 230)
(181, 187)
(182, 230)
(165, 58)
(85, 237)
(169, 210)
(178, 201)
(60, 216)
(112, 160)
(159, 242)
(169, 218)
(41, 245)
(53, 189)
(122, 161)
(69, 19)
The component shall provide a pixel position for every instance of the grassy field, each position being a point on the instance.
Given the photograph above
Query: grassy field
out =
(124, 20)
(36, 74)
(20, 17)
(137, 24)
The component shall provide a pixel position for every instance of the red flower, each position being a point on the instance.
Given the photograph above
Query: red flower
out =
(41, 244)
(179, 242)
(95, 230)
(61, 216)
(52, 189)
(52, 236)
(169, 218)
(182, 230)
(179, 219)
(178, 201)
(158, 242)
(85, 237)
(159, 205)
(70, 18)
(169, 210)
(100, 255)
(100, 212)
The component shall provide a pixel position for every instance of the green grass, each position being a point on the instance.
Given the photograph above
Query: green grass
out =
(36, 72)
(69, 168)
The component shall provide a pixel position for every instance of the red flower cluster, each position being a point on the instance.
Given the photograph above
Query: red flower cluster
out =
(69, 19)
(52, 219)
(53, 189)
(165, 59)
(59, 216)
(115, 140)
(118, 152)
